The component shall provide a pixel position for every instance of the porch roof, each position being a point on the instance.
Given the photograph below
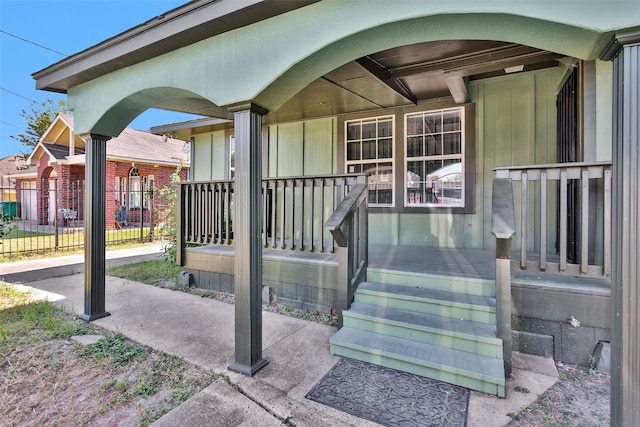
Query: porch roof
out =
(291, 57)
(182, 26)
(131, 145)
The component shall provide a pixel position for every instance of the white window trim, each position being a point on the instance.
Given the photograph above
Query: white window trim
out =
(460, 156)
(134, 193)
(363, 162)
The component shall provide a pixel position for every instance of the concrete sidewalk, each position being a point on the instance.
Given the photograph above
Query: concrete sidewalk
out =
(201, 331)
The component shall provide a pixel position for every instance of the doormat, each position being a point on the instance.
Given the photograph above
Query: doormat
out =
(390, 397)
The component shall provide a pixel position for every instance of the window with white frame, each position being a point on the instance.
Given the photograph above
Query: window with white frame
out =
(134, 188)
(434, 158)
(369, 149)
(147, 186)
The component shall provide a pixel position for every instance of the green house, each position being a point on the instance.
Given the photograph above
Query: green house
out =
(381, 163)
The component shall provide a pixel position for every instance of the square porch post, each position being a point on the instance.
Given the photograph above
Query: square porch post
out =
(247, 229)
(94, 227)
(625, 273)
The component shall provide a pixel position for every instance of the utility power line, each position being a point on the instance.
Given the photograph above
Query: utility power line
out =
(9, 124)
(17, 94)
(33, 43)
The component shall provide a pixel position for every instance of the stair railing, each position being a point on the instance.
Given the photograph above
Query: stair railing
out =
(349, 227)
(503, 226)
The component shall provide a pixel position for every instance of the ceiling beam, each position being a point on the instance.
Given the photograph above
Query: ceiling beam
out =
(458, 87)
(384, 75)
(490, 57)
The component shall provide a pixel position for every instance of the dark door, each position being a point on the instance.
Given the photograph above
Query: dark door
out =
(568, 151)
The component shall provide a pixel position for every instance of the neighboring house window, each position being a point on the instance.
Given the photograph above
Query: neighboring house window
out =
(147, 185)
(434, 156)
(134, 188)
(123, 191)
(369, 149)
(117, 190)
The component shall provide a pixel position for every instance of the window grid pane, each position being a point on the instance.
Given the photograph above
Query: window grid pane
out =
(367, 142)
(434, 158)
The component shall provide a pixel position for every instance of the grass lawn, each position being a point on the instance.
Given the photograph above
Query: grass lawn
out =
(46, 378)
(163, 273)
(156, 272)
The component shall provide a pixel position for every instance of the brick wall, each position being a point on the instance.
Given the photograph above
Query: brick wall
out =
(70, 184)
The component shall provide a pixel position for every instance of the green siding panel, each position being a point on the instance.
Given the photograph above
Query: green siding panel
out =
(302, 148)
(290, 149)
(207, 157)
(218, 155)
(201, 157)
(319, 146)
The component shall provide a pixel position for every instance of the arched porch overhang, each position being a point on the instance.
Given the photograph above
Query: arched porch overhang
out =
(265, 64)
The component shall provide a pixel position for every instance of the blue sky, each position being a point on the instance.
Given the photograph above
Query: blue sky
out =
(67, 27)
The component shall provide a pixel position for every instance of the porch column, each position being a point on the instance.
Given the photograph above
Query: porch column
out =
(247, 229)
(625, 272)
(94, 227)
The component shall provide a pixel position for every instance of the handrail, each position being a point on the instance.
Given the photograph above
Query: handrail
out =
(589, 180)
(336, 223)
(349, 227)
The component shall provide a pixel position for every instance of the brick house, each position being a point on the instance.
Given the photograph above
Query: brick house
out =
(136, 162)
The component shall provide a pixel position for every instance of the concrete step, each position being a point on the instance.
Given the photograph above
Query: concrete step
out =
(464, 335)
(476, 372)
(437, 302)
(464, 285)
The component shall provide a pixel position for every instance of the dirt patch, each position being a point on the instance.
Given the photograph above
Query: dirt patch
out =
(53, 380)
(580, 398)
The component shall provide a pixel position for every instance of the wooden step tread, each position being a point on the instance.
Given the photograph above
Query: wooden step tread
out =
(456, 362)
(468, 285)
(467, 329)
(418, 293)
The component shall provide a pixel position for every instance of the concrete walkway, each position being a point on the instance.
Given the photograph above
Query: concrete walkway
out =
(201, 331)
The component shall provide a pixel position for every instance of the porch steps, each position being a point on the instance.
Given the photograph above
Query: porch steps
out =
(464, 285)
(425, 328)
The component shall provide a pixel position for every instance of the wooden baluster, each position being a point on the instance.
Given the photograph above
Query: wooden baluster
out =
(313, 215)
(284, 214)
(523, 219)
(563, 221)
(322, 209)
(302, 212)
(293, 214)
(606, 262)
(543, 221)
(584, 244)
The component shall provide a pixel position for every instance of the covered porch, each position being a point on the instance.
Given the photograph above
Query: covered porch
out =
(301, 66)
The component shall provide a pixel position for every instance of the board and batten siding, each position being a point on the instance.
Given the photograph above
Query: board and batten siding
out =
(208, 161)
(515, 125)
(302, 148)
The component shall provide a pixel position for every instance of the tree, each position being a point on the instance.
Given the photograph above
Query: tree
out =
(38, 119)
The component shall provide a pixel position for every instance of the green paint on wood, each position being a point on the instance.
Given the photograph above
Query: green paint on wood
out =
(208, 156)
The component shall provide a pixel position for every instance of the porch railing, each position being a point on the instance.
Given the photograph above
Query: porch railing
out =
(294, 210)
(544, 192)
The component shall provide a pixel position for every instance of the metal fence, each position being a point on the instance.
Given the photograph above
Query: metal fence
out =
(42, 217)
